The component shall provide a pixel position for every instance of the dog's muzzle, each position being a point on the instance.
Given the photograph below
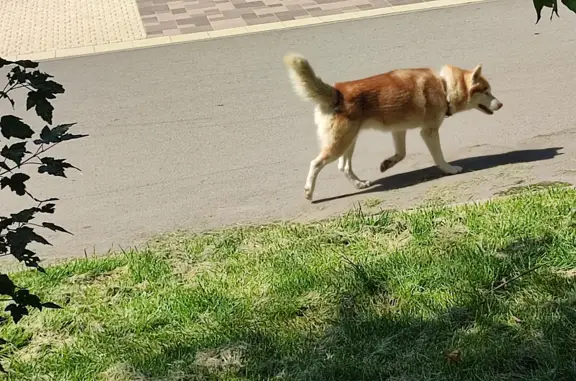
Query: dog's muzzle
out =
(495, 105)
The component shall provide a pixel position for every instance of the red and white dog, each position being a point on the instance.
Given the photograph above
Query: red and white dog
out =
(395, 101)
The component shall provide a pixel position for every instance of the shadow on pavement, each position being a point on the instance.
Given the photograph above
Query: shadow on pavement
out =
(470, 164)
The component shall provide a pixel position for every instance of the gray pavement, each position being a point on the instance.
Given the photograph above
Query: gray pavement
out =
(206, 134)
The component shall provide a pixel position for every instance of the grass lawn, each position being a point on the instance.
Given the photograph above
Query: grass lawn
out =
(420, 296)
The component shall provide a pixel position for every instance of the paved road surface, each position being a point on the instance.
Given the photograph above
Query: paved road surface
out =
(205, 134)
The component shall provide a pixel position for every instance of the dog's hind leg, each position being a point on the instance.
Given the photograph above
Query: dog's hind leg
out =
(345, 165)
(336, 135)
(316, 166)
(399, 138)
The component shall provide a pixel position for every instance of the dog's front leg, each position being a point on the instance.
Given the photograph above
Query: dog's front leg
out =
(399, 138)
(431, 137)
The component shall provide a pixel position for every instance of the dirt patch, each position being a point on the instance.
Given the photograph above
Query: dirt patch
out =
(229, 358)
(532, 187)
(571, 274)
(372, 202)
(121, 372)
(41, 343)
(105, 277)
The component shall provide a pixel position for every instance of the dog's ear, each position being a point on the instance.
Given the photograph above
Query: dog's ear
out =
(477, 72)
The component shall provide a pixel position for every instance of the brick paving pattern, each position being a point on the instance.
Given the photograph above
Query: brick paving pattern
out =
(172, 17)
(31, 26)
(44, 26)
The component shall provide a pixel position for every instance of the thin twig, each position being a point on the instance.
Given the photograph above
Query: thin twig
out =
(39, 151)
(516, 277)
(35, 225)
(21, 86)
(34, 198)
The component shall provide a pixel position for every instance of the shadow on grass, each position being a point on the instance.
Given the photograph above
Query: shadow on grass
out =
(507, 334)
(476, 163)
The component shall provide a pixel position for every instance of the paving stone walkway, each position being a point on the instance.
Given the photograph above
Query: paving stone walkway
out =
(31, 26)
(171, 17)
(40, 26)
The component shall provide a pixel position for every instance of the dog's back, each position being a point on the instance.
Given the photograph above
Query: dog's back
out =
(402, 97)
(394, 98)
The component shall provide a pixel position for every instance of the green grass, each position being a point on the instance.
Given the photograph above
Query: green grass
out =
(384, 297)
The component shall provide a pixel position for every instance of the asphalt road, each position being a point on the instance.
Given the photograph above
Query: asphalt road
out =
(200, 135)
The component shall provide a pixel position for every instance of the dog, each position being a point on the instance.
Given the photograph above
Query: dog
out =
(395, 101)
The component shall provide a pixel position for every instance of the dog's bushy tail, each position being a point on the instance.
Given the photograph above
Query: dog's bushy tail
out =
(307, 84)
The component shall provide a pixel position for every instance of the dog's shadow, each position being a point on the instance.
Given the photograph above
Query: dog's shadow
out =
(470, 164)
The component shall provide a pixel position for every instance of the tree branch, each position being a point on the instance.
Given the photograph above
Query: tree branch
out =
(39, 151)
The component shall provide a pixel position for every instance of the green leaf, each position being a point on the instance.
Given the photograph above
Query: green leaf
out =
(15, 183)
(13, 127)
(25, 215)
(31, 100)
(17, 75)
(57, 134)
(4, 62)
(48, 208)
(7, 287)
(22, 236)
(17, 311)
(55, 227)
(44, 110)
(40, 81)
(27, 64)
(15, 152)
(39, 100)
(540, 4)
(554, 9)
(4, 224)
(4, 94)
(54, 167)
(50, 305)
(29, 258)
(570, 4)
(24, 297)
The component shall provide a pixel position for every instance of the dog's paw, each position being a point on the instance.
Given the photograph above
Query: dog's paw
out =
(362, 184)
(387, 164)
(308, 194)
(451, 169)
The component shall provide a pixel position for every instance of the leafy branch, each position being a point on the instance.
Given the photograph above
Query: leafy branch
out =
(19, 230)
(553, 4)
